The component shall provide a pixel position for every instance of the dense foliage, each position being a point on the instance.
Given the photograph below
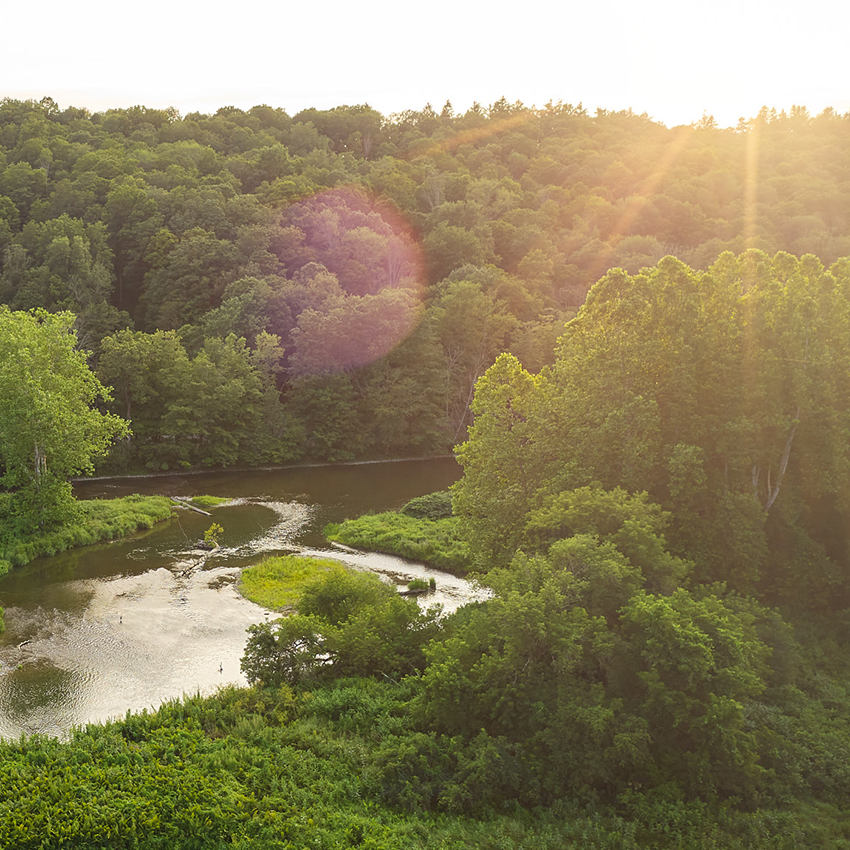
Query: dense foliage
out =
(722, 394)
(50, 427)
(655, 492)
(433, 541)
(430, 506)
(330, 768)
(638, 506)
(369, 267)
(346, 624)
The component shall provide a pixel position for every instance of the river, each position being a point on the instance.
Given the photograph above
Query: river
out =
(102, 630)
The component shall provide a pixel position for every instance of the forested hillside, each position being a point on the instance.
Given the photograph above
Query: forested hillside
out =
(259, 287)
(654, 492)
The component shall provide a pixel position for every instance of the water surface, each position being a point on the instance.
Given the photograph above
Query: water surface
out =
(97, 631)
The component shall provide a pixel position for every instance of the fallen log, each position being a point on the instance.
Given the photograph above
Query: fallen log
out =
(185, 504)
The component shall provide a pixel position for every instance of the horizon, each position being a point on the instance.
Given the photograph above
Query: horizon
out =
(671, 63)
(210, 109)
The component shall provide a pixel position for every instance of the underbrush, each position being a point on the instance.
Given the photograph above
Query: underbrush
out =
(434, 542)
(95, 521)
(284, 768)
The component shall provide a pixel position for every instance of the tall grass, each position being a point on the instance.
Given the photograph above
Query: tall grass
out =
(435, 542)
(208, 501)
(96, 520)
(277, 583)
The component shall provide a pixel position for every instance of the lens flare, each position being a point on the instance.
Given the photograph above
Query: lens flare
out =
(358, 273)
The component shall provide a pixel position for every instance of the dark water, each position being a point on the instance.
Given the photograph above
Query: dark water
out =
(98, 631)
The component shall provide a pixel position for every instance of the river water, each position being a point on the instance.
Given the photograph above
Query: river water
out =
(102, 630)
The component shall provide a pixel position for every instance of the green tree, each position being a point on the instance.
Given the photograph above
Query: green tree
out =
(150, 374)
(500, 474)
(473, 329)
(50, 428)
(720, 394)
(348, 623)
(599, 685)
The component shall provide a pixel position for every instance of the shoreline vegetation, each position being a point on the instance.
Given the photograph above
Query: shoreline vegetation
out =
(298, 767)
(424, 529)
(433, 542)
(94, 521)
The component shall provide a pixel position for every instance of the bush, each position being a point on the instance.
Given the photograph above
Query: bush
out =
(434, 542)
(431, 506)
(348, 624)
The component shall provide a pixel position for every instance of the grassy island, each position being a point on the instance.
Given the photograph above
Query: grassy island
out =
(276, 583)
(423, 530)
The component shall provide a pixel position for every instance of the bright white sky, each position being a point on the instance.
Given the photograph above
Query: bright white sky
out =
(672, 59)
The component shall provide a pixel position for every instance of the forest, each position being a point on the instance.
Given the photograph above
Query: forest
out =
(635, 338)
(330, 285)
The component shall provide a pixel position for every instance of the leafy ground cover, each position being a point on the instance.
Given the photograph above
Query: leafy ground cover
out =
(276, 583)
(292, 768)
(435, 542)
(94, 521)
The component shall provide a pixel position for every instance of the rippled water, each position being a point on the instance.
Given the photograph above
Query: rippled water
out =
(98, 631)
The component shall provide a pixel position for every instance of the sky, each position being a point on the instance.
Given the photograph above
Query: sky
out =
(674, 61)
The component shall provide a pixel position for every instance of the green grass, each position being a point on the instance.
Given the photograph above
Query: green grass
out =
(208, 501)
(97, 520)
(434, 542)
(277, 583)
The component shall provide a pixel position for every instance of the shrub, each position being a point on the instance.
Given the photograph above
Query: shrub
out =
(435, 542)
(431, 506)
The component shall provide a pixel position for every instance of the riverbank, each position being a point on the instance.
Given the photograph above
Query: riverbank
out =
(180, 473)
(132, 623)
(436, 543)
(97, 520)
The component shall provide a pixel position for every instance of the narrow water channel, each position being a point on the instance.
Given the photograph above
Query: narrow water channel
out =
(102, 630)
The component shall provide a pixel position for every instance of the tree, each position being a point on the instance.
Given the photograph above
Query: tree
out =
(149, 373)
(473, 328)
(49, 427)
(597, 683)
(721, 394)
(500, 474)
(348, 623)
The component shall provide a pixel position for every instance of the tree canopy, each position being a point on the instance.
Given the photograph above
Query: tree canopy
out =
(50, 427)
(427, 236)
(722, 394)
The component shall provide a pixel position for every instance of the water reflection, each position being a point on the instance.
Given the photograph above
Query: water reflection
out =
(37, 696)
(98, 631)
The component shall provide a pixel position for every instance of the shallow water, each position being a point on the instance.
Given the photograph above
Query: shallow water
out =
(98, 631)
